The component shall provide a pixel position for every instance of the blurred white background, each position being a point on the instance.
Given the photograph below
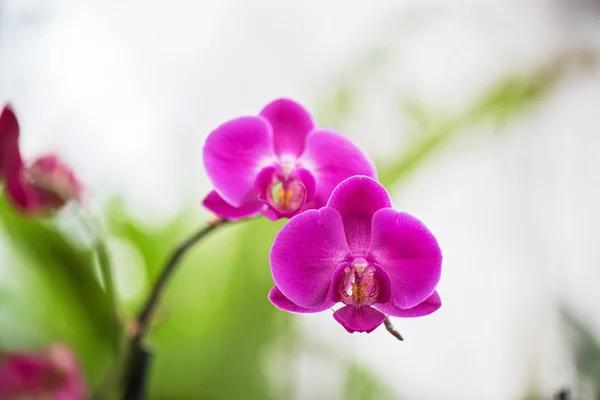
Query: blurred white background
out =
(127, 90)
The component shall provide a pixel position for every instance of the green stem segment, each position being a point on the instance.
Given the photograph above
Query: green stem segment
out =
(145, 314)
(137, 362)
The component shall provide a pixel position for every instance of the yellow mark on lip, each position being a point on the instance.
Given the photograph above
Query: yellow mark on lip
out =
(359, 292)
(284, 198)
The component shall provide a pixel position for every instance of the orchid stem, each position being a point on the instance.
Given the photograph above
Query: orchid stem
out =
(390, 328)
(143, 319)
(137, 363)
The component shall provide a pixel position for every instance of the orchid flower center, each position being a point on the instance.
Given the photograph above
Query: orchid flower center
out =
(359, 286)
(285, 192)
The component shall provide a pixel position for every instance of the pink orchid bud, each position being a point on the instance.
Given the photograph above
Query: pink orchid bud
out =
(53, 374)
(49, 174)
(45, 185)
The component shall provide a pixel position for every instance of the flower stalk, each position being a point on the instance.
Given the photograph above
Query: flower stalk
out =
(139, 355)
(142, 321)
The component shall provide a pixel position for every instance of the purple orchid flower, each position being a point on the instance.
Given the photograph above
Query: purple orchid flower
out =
(358, 251)
(40, 187)
(277, 163)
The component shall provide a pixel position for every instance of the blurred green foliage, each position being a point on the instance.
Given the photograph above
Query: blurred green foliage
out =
(61, 299)
(363, 385)
(586, 352)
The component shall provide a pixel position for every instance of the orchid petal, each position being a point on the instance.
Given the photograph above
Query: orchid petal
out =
(339, 287)
(359, 319)
(285, 304)
(53, 374)
(409, 253)
(308, 181)
(384, 285)
(21, 194)
(233, 155)
(332, 158)
(290, 123)
(10, 157)
(264, 180)
(430, 305)
(220, 207)
(49, 174)
(305, 253)
(357, 199)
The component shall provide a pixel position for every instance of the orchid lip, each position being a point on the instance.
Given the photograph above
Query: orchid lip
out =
(285, 187)
(286, 195)
(356, 283)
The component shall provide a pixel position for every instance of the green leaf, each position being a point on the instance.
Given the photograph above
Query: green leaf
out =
(511, 96)
(74, 306)
(586, 350)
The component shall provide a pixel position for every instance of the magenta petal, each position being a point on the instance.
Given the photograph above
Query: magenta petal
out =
(217, 205)
(234, 153)
(264, 179)
(338, 282)
(20, 372)
(30, 200)
(384, 286)
(431, 304)
(270, 213)
(11, 164)
(357, 199)
(43, 186)
(291, 123)
(332, 158)
(262, 185)
(9, 141)
(53, 374)
(21, 194)
(285, 304)
(308, 181)
(305, 253)
(359, 319)
(49, 174)
(24, 197)
(404, 247)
